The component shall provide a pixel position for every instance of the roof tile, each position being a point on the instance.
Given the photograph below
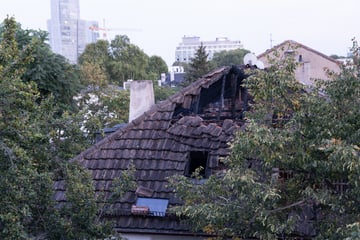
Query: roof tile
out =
(158, 146)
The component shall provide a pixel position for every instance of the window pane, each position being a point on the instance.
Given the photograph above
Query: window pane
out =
(157, 206)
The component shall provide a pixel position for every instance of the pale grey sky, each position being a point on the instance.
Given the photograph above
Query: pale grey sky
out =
(324, 25)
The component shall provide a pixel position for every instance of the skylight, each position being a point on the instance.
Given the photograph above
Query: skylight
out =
(157, 206)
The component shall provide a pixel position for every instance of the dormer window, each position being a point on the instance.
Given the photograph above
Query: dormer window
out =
(197, 160)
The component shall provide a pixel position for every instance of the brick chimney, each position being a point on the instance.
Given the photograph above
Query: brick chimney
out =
(141, 97)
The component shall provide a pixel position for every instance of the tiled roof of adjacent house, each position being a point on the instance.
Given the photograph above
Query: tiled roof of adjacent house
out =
(202, 117)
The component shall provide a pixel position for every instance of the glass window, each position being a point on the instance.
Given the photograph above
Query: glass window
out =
(157, 206)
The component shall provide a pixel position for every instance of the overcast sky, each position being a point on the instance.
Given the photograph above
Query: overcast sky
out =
(324, 25)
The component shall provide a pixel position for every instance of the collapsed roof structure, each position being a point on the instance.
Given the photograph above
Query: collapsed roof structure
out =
(190, 129)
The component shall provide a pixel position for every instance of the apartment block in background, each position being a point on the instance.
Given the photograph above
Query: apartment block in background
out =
(190, 44)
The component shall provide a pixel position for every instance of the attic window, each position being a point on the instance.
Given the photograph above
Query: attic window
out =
(150, 206)
(289, 52)
(197, 159)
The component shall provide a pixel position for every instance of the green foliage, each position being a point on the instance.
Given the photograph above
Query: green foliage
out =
(228, 58)
(128, 61)
(103, 63)
(53, 76)
(105, 66)
(198, 66)
(163, 92)
(51, 72)
(283, 172)
(25, 188)
(156, 66)
(79, 218)
(125, 183)
(93, 64)
(103, 107)
(36, 140)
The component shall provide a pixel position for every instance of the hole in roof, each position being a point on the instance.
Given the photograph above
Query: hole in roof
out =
(197, 160)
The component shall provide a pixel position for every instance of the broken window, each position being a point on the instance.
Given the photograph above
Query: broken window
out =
(197, 161)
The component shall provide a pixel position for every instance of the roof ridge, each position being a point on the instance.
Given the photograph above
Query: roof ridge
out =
(299, 44)
(170, 100)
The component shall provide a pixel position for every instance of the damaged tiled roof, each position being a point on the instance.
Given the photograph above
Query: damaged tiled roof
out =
(202, 117)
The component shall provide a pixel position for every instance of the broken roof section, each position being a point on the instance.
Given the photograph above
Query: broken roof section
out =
(196, 124)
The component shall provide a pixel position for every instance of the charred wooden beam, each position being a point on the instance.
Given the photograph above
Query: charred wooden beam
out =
(222, 97)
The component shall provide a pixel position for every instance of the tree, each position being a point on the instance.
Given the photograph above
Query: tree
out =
(104, 107)
(51, 72)
(228, 58)
(294, 170)
(21, 175)
(33, 138)
(54, 75)
(156, 66)
(94, 63)
(128, 61)
(198, 66)
(103, 63)
(163, 92)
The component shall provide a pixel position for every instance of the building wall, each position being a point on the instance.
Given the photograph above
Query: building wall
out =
(189, 45)
(85, 36)
(68, 34)
(312, 64)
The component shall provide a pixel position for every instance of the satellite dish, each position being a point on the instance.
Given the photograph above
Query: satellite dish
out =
(259, 64)
(250, 59)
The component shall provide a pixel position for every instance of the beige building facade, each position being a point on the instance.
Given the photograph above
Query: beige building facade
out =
(312, 64)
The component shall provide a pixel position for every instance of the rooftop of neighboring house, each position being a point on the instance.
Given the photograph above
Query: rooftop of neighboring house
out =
(312, 64)
(293, 45)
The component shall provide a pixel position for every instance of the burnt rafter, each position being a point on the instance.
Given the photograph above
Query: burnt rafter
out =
(225, 98)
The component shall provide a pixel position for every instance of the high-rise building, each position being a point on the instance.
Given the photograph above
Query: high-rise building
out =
(190, 44)
(68, 34)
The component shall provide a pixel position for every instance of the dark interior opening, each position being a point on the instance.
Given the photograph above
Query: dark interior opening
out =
(197, 159)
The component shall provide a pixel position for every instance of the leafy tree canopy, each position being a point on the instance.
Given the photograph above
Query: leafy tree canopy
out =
(115, 62)
(230, 57)
(294, 170)
(51, 72)
(35, 144)
(156, 66)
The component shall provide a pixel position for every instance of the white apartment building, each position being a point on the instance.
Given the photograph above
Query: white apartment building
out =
(190, 44)
(68, 34)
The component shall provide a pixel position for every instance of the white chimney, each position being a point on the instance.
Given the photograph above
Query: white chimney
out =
(141, 98)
